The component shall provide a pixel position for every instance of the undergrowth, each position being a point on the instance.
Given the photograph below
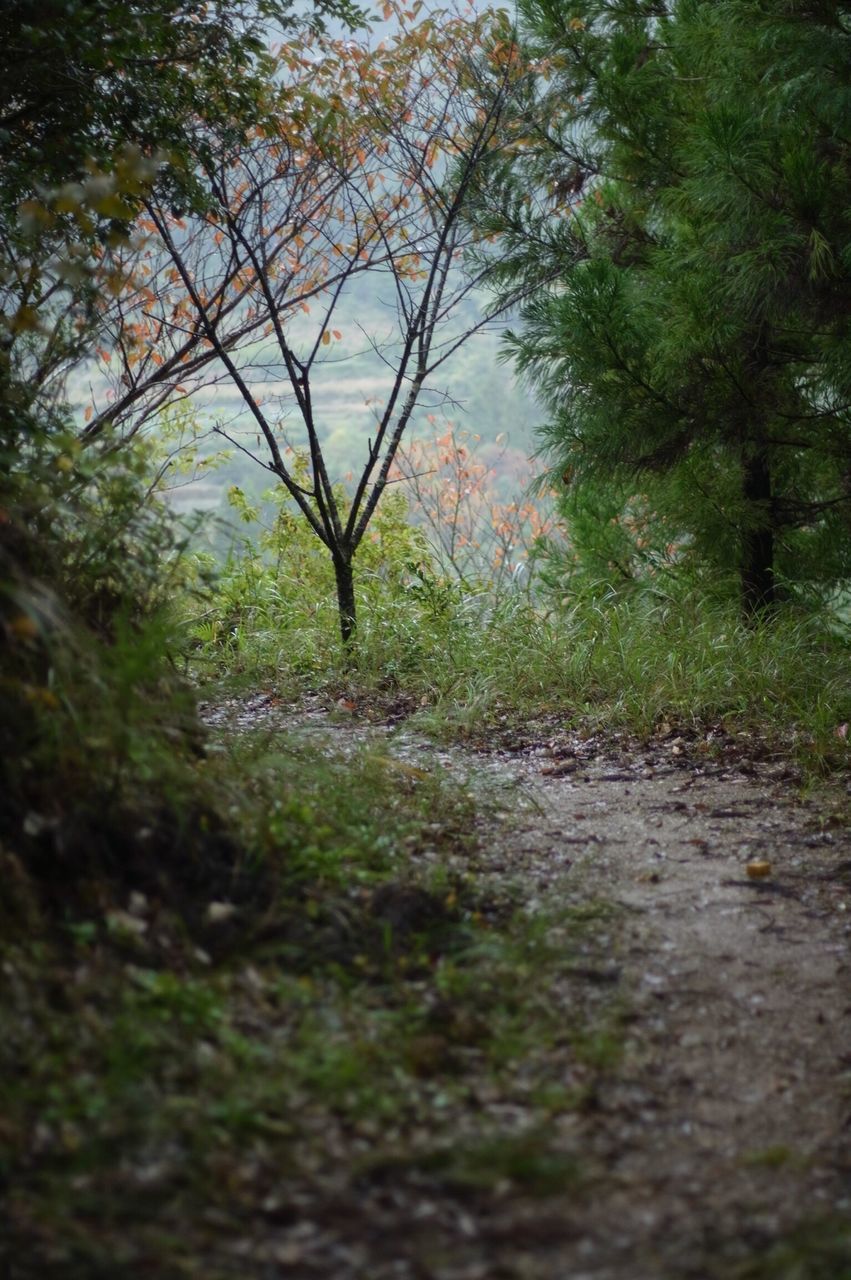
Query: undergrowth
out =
(241, 979)
(174, 1081)
(670, 653)
(252, 982)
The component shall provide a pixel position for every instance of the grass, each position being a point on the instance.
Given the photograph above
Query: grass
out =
(464, 663)
(371, 1008)
(243, 985)
(817, 1249)
(527, 1161)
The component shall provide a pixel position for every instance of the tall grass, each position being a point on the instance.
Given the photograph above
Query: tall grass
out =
(465, 659)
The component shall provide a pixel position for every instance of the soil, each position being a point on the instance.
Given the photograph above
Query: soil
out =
(731, 1119)
(720, 1144)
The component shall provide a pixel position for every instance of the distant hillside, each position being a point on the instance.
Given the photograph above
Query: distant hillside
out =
(474, 390)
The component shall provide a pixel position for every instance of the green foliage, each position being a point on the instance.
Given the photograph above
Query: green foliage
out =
(95, 723)
(526, 1160)
(103, 104)
(275, 594)
(336, 1037)
(663, 646)
(233, 966)
(619, 543)
(91, 77)
(687, 244)
(99, 737)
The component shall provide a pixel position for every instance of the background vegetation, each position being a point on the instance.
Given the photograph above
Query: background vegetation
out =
(666, 200)
(685, 330)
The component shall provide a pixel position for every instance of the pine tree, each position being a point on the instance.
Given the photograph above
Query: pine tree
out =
(681, 197)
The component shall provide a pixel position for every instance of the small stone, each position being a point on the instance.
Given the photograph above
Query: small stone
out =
(220, 912)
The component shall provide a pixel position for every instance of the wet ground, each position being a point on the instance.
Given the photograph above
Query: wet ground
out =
(721, 1144)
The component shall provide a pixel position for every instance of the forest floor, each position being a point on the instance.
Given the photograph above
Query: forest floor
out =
(715, 1139)
(728, 1121)
(568, 1037)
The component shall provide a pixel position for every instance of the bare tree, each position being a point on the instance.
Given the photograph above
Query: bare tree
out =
(376, 155)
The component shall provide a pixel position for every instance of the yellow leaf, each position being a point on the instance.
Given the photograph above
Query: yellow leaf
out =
(112, 206)
(326, 338)
(25, 318)
(68, 197)
(33, 215)
(43, 697)
(23, 627)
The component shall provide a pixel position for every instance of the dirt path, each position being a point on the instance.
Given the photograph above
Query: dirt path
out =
(723, 1143)
(731, 1120)
(719, 1146)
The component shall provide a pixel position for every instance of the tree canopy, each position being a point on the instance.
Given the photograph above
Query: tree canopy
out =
(100, 104)
(361, 168)
(681, 197)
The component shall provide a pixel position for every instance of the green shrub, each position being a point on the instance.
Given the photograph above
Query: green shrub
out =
(663, 647)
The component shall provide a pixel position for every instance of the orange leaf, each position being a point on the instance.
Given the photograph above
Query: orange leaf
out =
(326, 338)
(337, 334)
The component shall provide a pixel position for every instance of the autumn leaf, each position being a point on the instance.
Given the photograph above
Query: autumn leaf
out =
(23, 627)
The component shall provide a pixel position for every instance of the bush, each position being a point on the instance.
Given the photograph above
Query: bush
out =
(96, 727)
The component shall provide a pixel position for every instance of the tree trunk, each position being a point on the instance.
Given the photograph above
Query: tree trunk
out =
(757, 566)
(345, 599)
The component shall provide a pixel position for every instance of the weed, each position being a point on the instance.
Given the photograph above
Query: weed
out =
(526, 1161)
(631, 664)
(817, 1249)
(350, 1024)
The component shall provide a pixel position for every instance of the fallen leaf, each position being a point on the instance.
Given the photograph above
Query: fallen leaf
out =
(123, 922)
(559, 770)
